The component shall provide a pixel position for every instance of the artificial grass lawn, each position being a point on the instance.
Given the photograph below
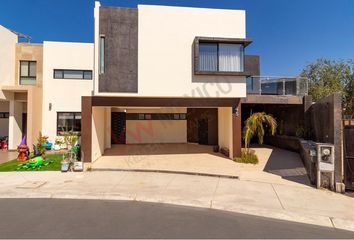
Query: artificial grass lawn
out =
(55, 164)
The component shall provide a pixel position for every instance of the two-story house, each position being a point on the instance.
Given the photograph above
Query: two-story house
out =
(165, 75)
(154, 75)
(41, 87)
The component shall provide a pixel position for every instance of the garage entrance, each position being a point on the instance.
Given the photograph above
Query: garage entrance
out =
(107, 121)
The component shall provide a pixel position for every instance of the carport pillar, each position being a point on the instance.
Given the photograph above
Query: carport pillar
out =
(86, 129)
(236, 130)
(15, 124)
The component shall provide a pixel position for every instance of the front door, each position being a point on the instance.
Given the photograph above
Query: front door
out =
(203, 131)
(118, 127)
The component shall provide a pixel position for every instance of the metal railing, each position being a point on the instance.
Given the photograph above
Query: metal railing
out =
(286, 86)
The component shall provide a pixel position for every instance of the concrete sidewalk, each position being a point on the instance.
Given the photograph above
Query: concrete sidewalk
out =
(272, 200)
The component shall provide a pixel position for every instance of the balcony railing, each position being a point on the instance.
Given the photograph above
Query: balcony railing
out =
(286, 86)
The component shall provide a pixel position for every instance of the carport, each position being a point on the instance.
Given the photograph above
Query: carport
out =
(97, 136)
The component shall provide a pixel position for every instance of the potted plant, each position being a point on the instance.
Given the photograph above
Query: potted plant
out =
(70, 139)
(58, 143)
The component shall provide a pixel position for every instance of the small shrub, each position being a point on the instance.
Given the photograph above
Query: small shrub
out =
(247, 157)
(41, 140)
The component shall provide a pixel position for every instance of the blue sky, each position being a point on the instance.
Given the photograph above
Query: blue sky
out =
(287, 34)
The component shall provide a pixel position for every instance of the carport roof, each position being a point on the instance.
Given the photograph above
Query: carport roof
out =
(162, 101)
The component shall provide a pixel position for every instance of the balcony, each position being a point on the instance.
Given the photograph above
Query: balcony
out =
(280, 86)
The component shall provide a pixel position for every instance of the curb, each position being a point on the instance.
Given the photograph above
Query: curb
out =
(164, 171)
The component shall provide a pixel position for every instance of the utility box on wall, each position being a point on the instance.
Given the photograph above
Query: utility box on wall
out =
(325, 162)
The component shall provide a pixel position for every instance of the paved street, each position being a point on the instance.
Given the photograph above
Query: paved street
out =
(277, 201)
(62, 218)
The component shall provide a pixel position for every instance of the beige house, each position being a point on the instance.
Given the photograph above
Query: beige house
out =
(20, 88)
(41, 87)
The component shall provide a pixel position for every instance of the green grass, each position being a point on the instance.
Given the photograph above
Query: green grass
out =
(55, 164)
(247, 157)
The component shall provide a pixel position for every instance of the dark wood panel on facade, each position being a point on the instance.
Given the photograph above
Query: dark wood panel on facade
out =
(119, 27)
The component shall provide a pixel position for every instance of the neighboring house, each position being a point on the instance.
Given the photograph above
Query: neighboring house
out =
(20, 88)
(41, 87)
(68, 75)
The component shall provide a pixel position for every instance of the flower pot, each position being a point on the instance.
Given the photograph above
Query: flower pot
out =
(78, 166)
(65, 165)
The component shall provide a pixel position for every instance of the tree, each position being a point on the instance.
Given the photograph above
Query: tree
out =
(329, 76)
(254, 126)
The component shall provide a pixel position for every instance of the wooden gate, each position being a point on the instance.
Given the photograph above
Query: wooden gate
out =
(348, 141)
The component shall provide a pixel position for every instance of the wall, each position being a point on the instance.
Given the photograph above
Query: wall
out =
(64, 94)
(98, 132)
(34, 111)
(156, 131)
(165, 46)
(121, 49)
(29, 52)
(225, 128)
(8, 42)
(326, 126)
(4, 122)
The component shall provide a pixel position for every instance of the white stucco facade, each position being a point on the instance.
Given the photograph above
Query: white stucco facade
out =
(64, 95)
(8, 42)
(165, 51)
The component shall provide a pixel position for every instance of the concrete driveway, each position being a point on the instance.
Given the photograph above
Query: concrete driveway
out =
(275, 165)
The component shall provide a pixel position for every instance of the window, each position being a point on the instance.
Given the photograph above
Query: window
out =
(28, 72)
(68, 121)
(221, 57)
(102, 55)
(156, 116)
(4, 115)
(72, 74)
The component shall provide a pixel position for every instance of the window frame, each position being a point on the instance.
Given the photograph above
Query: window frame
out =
(210, 40)
(156, 116)
(78, 70)
(102, 55)
(28, 77)
(74, 114)
(4, 115)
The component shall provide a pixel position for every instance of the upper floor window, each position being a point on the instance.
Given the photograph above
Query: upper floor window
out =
(72, 74)
(102, 55)
(221, 57)
(28, 72)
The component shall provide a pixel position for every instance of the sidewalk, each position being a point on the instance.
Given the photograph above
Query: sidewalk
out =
(272, 200)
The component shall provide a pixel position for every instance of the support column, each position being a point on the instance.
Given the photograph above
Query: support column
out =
(15, 124)
(108, 128)
(86, 129)
(236, 130)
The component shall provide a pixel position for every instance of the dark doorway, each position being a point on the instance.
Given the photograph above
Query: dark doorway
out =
(203, 131)
(118, 127)
(24, 124)
(208, 117)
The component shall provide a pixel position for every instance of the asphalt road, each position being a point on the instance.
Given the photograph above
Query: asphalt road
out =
(61, 218)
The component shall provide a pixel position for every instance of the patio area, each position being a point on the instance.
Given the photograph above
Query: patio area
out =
(275, 165)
